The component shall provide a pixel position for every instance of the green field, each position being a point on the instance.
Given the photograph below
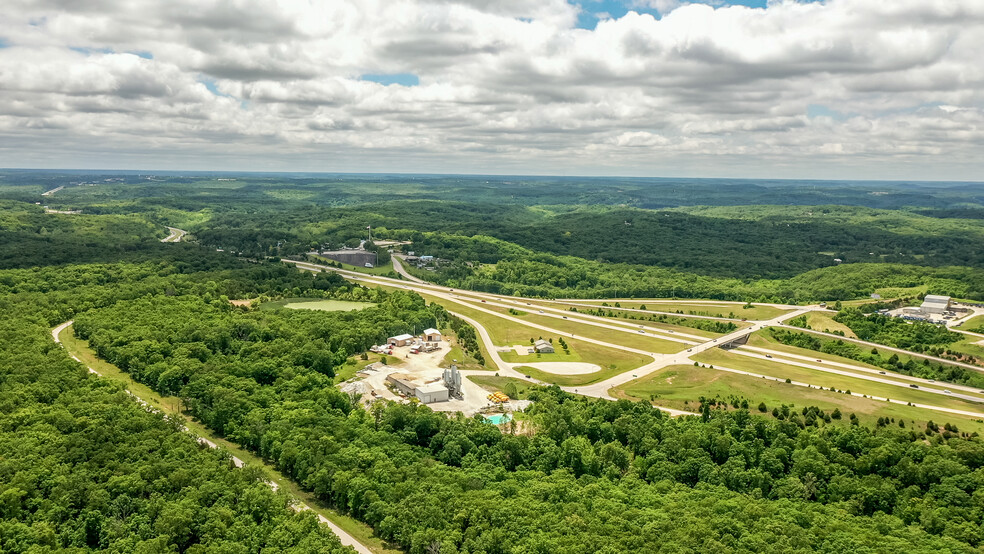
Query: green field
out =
(732, 311)
(495, 383)
(632, 339)
(627, 318)
(775, 368)
(972, 323)
(382, 269)
(172, 405)
(681, 386)
(823, 321)
(316, 304)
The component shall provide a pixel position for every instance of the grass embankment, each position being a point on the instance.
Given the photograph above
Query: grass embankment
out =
(633, 319)
(171, 405)
(630, 337)
(776, 368)
(822, 321)
(385, 270)
(712, 309)
(975, 322)
(681, 387)
(507, 333)
(494, 383)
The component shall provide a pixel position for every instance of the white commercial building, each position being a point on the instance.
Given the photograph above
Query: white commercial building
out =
(432, 392)
(934, 304)
(432, 335)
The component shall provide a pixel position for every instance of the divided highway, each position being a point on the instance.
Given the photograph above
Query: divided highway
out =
(691, 345)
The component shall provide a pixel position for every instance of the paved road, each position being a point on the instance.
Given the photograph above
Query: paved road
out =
(881, 347)
(175, 236)
(602, 389)
(344, 537)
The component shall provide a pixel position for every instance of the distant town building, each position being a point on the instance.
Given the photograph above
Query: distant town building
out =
(543, 347)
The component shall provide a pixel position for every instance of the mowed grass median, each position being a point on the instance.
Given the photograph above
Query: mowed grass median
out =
(681, 387)
(775, 368)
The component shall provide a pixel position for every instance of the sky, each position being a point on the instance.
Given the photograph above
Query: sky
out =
(827, 89)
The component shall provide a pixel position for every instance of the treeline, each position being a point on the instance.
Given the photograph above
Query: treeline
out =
(467, 337)
(918, 336)
(84, 468)
(711, 325)
(522, 272)
(455, 484)
(925, 369)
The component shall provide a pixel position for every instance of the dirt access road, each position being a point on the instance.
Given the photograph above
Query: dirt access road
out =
(344, 537)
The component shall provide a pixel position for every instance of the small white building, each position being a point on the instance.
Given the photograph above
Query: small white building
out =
(432, 392)
(400, 340)
(432, 335)
(543, 347)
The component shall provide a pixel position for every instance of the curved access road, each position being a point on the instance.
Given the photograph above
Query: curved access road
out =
(175, 236)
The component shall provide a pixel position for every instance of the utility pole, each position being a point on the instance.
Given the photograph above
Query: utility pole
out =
(369, 228)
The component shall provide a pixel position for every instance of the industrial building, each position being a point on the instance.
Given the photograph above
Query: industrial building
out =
(432, 335)
(934, 304)
(427, 393)
(432, 392)
(400, 340)
(543, 347)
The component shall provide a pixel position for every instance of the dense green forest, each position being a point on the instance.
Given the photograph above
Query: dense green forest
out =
(420, 477)
(84, 468)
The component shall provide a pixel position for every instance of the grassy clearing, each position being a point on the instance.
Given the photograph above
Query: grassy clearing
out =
(495, 383)
(383, 269)
(775, 368)
(972, 323)
(172, 405)
(327, 305)
(624, 317)
(681, 386)
(822, 321)
(569, 380)
(630, 339)
(731, 311)
(323, 304)
(762, 339)
(353, 365)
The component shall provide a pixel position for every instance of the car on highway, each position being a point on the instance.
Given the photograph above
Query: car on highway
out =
(565, 317)
(881, 373)
(932, 381)
(528, 377)
(483, 300)
(819, 360)
(541, 311)
(914, 386)
(768, 355)
(641, 331)
(690, 350)
(947, 391)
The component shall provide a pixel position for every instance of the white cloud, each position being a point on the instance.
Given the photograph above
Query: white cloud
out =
(504, 86)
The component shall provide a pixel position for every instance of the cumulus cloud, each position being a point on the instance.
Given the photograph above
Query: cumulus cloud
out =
(504, 86)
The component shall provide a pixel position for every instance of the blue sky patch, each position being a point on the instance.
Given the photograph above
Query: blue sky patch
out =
(386, 79)
(819, 110)
(593, 11)
(4, 43)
